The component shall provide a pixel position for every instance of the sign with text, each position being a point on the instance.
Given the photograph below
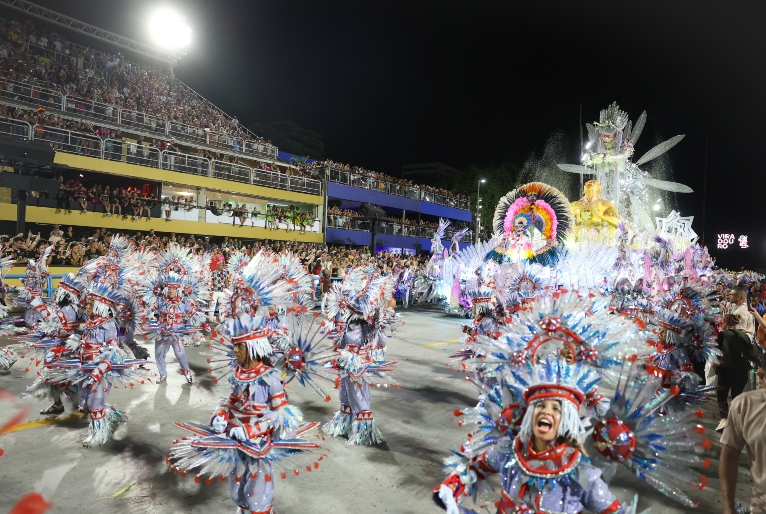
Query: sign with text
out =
(730, 240)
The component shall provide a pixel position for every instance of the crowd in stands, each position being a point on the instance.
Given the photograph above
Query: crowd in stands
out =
(120, 201)
(73, 249)
(341, 218)
(97, 83)
(84, 140)
(42, 57)
(350, 219)
(360, 177)
(45, 58)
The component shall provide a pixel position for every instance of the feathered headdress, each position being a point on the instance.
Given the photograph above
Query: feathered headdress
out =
(71, 286)
(555, 379)
(106, 300)
(536, 206)
(361, 295)
(249, 330)
(305, 351)
(258, 286)
(107, 269)
(690, 300)
(581, 327)
(443, 225)
(459, 235)
(36, 275)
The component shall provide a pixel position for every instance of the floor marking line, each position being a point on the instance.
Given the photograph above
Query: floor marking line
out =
(431, 345)
(46, 421)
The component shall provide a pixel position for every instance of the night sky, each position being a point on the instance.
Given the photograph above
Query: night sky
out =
(485, 82)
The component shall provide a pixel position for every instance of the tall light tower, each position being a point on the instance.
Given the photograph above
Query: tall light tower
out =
(478, 210)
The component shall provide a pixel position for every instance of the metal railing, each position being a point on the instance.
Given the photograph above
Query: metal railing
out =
(91, 109)
(132, 153)
(53, 99)
(141, 121)
(16, 128)
(70, 142)
(30, 93)
(260, 149)
(185, 163)
(449, 201)
(144, 155)
(389, 227)
(232, 171)
(407, 191)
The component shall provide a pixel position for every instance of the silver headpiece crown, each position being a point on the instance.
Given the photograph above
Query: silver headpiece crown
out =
(612, 118)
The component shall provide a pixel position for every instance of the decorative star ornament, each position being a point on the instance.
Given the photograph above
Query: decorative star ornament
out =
(677, 227)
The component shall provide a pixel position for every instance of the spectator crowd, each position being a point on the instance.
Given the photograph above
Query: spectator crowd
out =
(360, 177)
(103, 89)
(72, 248)
(97, 83)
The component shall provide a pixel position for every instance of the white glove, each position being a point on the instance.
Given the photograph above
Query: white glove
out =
(219, 424)
(445, 495)
(238, 433)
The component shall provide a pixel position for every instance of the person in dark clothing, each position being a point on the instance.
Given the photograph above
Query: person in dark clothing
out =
(734, 367)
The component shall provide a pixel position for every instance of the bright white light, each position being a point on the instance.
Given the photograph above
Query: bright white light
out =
(169, 29)
(483, 180)
(587, 147)
(656, 207)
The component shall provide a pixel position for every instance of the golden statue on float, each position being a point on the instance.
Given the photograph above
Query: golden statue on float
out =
(595, 218)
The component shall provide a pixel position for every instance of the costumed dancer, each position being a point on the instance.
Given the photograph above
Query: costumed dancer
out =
(404, 278)
(425, 285)
(98, 365)
(256, 430)
(359, 321)
(7, 356)
(140, 263)
(57, 323)
(608, 154)
(682, 342)
(534, 219)
(530, 425)
(459, 275)
(171, 311)
(35, 280)
(695, 302)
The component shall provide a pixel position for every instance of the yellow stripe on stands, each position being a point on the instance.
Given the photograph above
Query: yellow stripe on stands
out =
(116, 223)
(431, 345)
(46, 421)
(174, 177)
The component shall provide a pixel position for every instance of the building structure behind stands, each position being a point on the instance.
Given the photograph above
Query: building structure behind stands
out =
(110, 139)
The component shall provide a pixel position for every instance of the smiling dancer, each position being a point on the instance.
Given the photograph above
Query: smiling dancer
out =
(531, 419)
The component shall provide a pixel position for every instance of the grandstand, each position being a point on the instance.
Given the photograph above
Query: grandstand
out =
(119, 122)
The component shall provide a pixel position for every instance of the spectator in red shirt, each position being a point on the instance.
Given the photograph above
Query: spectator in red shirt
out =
(215, 258)
(325, 282)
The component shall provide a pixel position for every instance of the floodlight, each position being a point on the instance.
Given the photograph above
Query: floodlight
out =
(169, 29)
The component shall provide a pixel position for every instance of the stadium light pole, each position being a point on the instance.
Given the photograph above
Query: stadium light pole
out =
(478, 209)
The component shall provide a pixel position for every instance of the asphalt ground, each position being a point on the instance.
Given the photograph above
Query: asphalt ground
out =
(417, 421)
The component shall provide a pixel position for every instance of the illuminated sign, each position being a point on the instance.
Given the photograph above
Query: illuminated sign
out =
(726, 240)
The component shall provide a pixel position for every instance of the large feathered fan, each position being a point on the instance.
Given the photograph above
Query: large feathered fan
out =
(536, 207)
(545, 208)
